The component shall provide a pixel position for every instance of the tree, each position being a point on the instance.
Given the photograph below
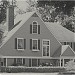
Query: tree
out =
(53, 11)
(32, 5)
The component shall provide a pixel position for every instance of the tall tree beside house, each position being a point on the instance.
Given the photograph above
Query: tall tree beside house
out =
(51, 9)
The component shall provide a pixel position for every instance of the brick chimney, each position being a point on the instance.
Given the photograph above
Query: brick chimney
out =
(10, 17)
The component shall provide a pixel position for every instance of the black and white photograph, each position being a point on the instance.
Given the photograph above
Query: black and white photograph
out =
(37, 37)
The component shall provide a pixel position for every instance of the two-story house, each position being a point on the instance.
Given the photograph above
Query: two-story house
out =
(31, 43)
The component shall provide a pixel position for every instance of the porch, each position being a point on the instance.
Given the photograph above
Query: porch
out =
(35, 62)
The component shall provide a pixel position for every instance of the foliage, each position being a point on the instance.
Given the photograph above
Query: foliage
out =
(31, 5)
(57, 11)
(70, 65)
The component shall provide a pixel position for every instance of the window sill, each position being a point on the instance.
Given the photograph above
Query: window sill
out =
(20, 49)
(35, 50)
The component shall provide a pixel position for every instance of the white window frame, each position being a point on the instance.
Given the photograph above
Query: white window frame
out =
(37, 45)
(17, 43)
(45, 45)
(37, 27)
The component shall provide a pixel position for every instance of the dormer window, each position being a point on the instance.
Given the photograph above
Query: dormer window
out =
(34, 28)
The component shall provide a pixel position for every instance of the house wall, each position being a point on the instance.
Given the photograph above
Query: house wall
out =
(8, 49)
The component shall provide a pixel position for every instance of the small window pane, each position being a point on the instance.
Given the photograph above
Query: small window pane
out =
(34, 28)
(47, 50)
(35, 23)
(44, 51)
(34, 44)
(45, 42)
(20, 43)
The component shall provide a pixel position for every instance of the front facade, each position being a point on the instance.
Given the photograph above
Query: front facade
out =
(31, 44)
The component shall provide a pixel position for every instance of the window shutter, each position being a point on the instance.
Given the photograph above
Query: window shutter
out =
(38, 44)
(15, 60)
(24, 43)
(15, 43)
(30, 28)
(30, 44)
(23, 61)
(38, 29)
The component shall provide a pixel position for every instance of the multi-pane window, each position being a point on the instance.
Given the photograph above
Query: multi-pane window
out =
(20, 43)
(35, 27)
(46, 47)
(35, 44)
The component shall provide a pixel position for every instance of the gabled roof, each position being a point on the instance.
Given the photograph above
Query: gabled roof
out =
(18, 22)
(67, 51)
(62, 34)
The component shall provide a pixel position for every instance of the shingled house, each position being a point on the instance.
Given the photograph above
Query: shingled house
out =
(30, 42)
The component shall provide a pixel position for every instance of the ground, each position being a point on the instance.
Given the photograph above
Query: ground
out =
(28, 73)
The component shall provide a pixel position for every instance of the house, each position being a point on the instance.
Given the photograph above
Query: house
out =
(31, 43)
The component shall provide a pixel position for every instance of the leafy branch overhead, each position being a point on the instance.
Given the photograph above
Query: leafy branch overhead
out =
(58, 11)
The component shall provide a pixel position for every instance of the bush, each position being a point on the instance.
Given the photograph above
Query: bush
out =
(26, 69)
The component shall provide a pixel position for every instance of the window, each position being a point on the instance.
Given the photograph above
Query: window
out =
(20, 43)
(46, 47)
(34, 44)
(19, 60)
(34, 28)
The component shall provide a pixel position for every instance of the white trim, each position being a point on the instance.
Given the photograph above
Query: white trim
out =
(37, 45)
(31, 57)
(37, 27)
(45, 45)
(17, 43)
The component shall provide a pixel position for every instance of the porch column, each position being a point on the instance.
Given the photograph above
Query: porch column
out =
(60, 62)
(63, 62)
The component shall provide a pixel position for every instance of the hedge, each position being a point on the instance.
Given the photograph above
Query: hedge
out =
(25, 69)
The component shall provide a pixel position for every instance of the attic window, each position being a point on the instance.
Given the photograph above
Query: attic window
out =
(35, 27)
